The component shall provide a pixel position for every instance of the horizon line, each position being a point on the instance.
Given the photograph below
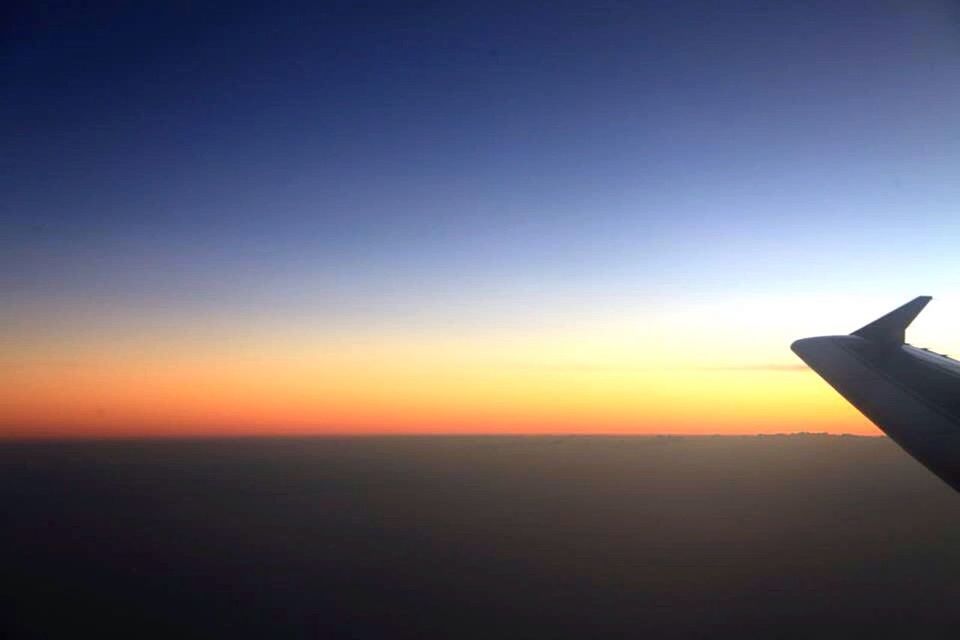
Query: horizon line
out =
(398, 436)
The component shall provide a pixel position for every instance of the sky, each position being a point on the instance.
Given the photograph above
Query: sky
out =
(273, 218)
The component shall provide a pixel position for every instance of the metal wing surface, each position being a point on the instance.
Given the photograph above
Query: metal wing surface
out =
(912, 394)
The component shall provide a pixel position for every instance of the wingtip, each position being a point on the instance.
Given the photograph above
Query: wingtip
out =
(891, 328)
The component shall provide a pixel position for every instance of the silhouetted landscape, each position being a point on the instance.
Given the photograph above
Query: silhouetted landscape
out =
(477, 537)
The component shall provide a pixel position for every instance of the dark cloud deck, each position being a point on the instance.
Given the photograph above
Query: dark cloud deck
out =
(478, 537)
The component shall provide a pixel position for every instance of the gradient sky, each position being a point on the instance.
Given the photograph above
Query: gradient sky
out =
(543, 217)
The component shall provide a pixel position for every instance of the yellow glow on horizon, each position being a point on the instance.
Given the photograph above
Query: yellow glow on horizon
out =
(610, 382)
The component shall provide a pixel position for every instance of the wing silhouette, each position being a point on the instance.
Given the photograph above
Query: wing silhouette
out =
(912, 394)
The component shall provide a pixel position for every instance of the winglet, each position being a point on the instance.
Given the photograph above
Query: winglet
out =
(890, 329)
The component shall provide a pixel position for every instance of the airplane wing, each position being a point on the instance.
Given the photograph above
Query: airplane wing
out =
(912, 394)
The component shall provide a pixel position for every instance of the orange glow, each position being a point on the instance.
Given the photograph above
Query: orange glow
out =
(452, 384)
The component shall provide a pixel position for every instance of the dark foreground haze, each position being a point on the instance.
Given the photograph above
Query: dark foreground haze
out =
(535, 537)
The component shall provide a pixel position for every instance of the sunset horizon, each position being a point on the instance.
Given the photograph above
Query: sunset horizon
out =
(438, 220)
(470, 320)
